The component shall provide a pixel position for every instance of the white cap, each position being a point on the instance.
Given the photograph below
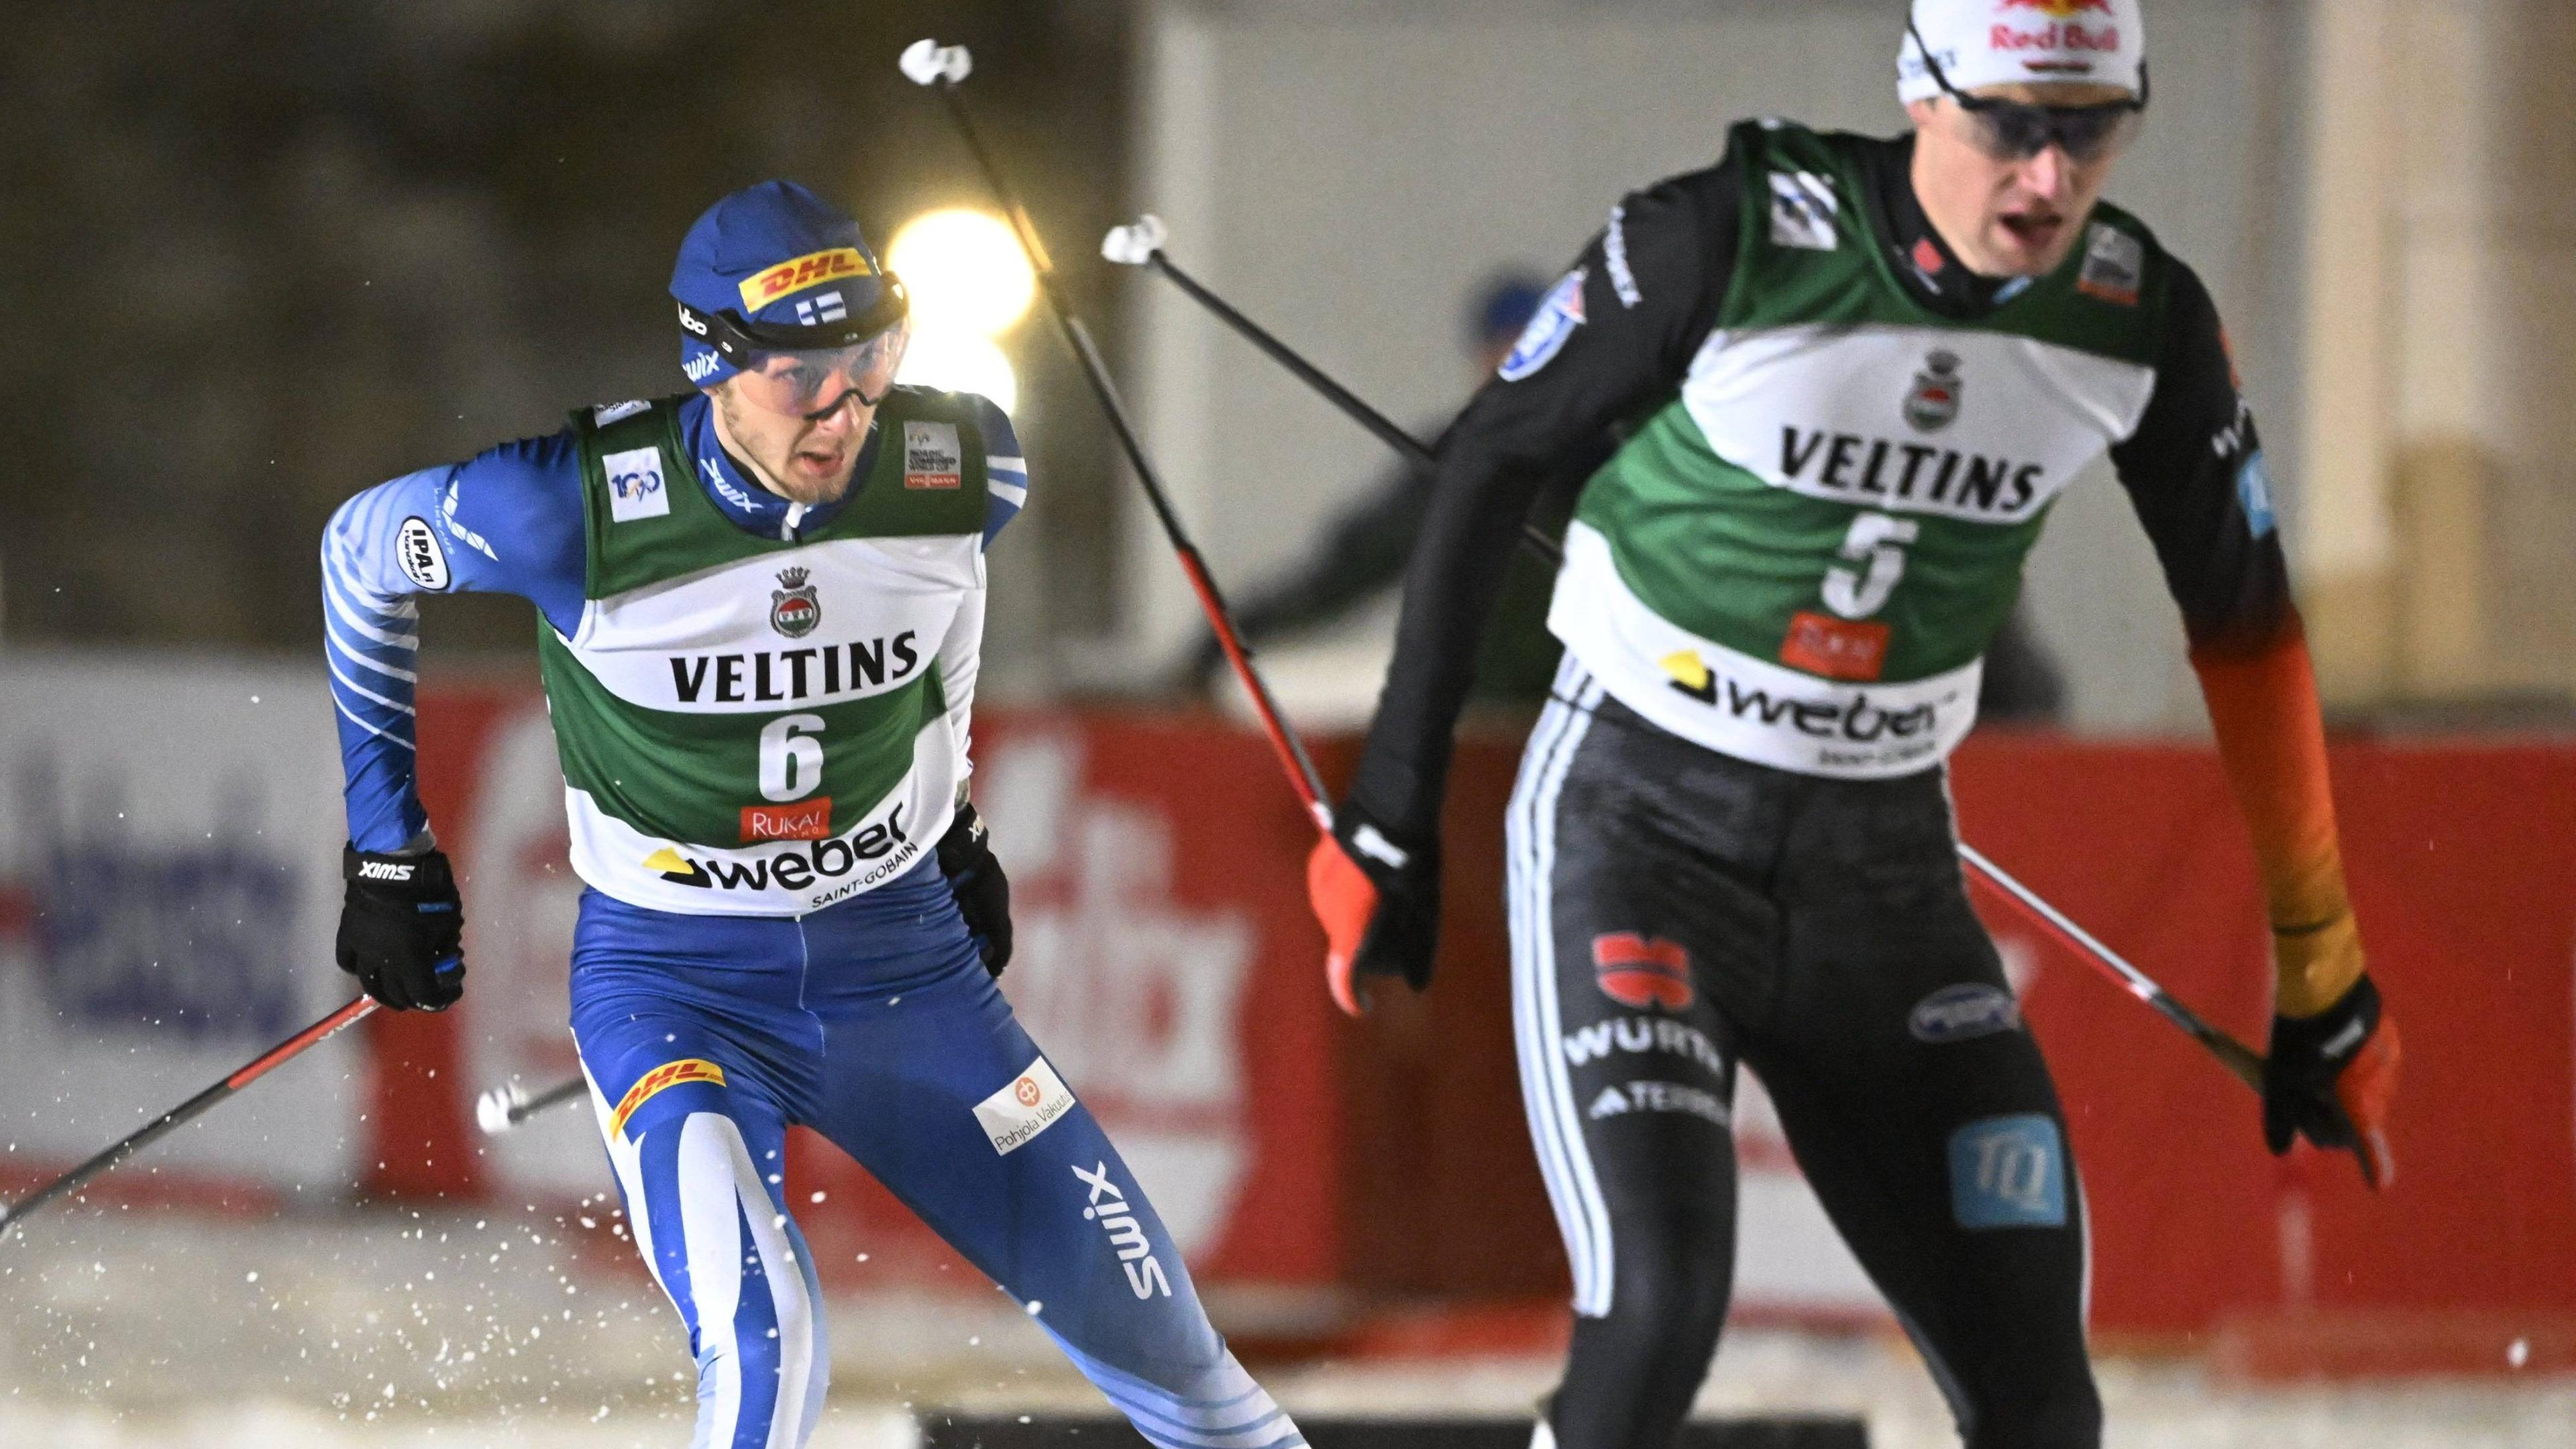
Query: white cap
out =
(1991, 42)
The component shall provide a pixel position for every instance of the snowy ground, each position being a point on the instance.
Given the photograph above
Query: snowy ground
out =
(126, 1329)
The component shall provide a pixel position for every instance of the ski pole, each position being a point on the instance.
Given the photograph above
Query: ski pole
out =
(928, 63)
(1141, 244)
(186, 1112)
(505, 1107)
(2241, 1061)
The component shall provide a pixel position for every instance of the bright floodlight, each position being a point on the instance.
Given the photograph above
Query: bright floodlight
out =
(965, 270)
(960, 362)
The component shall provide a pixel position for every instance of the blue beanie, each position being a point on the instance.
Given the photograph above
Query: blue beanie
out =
(773, 254)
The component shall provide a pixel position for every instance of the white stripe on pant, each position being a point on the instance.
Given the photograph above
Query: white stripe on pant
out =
(720, 1191)
(1556, 1123)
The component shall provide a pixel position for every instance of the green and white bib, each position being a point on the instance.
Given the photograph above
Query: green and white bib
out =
(750, 726)
(1800, 559)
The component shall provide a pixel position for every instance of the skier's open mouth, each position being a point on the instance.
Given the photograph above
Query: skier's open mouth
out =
(2036, 230)
(825, 465)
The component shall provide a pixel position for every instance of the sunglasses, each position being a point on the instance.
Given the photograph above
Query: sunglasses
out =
(805, 371)
(2017, 130)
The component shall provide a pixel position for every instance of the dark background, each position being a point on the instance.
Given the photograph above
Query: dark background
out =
(256, 257)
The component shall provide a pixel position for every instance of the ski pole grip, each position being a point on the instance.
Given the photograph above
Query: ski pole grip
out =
(1134, 244)
(927, 61)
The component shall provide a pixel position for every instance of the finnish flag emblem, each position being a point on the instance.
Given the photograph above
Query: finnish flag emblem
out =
(828, 307)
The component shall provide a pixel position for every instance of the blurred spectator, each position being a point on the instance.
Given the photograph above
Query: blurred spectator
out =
(1361, 555)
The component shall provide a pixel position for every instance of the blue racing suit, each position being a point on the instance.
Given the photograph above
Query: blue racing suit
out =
(704, 1037)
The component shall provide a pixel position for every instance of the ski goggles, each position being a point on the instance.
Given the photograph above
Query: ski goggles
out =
(2017, 130)
(805, 371)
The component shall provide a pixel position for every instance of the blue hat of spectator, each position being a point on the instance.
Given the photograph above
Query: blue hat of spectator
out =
(1504, 307)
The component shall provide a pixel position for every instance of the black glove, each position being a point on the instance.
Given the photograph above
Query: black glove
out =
(1403, 927)
(402, 928)
(2331, 1077)
(983, 892)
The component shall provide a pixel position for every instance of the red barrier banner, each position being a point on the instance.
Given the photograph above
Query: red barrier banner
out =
(1167, 964)
(2463, 874)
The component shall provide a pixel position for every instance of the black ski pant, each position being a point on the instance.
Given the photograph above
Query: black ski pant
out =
(1675, 911)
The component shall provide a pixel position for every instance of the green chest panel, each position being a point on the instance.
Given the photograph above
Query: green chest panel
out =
(1847, 482)
(760, 725)
(649, 519)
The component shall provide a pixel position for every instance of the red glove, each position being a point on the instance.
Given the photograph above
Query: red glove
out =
(1379, 903)
(1344, 899)
(2331, 1079)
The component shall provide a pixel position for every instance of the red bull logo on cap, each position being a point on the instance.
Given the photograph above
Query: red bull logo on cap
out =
(797, 273)
(2056, 9)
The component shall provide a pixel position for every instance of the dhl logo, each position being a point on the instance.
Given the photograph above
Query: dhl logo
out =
(671, 1074)
(2058, 9)
(795, 275)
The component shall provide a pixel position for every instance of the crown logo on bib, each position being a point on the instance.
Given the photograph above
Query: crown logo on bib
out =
(1934, 401)
(793, 609)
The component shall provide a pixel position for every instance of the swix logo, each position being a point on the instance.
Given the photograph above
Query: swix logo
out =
(716, 480)
(796, 274)
(651, 1084)
(384, 870)
(1108, 1207)
(2231, 439)
(1640, 971)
